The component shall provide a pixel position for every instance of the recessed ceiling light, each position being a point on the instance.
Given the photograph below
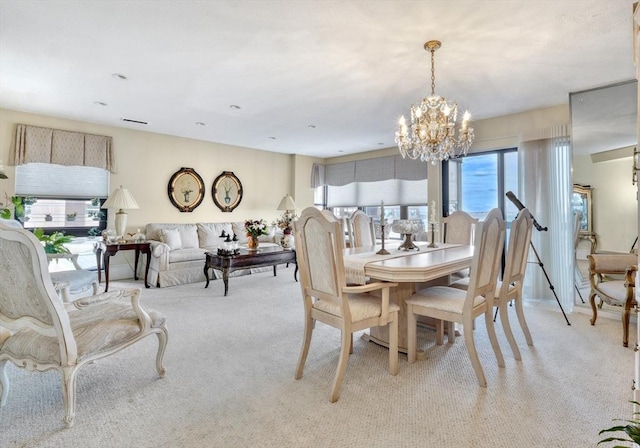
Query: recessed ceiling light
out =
(233, 106)
(199, 123)
(380, 143)
(119, 76)
(272, 138)
(312, 126)
(340, 150)
(99, 103)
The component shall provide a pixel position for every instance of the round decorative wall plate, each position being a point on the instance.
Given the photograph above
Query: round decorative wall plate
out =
(186, 189)
(227, 191)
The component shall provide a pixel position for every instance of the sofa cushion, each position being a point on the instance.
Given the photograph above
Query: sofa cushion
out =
(180, 255)
(269, 237)
(189, 237)
(239, 230)
(209, 233)
(171, 237)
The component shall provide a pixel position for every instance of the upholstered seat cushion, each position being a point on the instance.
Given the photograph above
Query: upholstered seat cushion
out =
(362, 306)
(92, 331)
(443, 298)
(616, 290)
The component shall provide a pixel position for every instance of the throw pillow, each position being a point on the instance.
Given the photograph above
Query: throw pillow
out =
(208, 236)
(188, 237)
(171, 237)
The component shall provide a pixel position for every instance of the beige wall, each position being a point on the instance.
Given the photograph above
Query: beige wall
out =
(146, 162)
(615, 206)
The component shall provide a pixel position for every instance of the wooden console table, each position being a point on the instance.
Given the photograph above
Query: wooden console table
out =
(268, 256)
(112, 249)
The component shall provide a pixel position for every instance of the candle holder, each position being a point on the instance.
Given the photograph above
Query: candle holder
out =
(382, 251)
(433, 231)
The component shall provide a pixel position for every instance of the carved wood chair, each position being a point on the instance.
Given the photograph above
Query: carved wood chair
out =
(328, 299)
(459, 227)
(40, 334)
(611, 290)
(455, 305)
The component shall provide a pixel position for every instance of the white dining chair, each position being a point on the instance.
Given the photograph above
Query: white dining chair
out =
(455, 305)
(328, 299)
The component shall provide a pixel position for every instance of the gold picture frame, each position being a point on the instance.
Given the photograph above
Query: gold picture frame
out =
(227, 191)
(186, 189)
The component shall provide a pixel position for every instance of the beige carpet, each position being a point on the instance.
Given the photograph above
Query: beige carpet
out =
(230, 366)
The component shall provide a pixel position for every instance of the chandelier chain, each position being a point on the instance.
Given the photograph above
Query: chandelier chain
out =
(433, 72)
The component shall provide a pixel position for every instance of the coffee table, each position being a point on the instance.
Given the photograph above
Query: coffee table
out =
(267, 256)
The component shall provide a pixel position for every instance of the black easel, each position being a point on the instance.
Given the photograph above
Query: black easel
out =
(538, 227)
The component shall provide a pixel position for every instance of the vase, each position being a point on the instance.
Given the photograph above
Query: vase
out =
(252, 242)
(287, 241)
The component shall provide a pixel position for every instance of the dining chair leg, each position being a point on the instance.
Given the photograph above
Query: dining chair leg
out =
(304, 351)
(491, 329)
(592, 300)
(411, 334)
(523, 322)
(506, 327)
(351, 344)
(393, 345)
(342, 367)
(439, 331)
(451, 332)
(473, 353)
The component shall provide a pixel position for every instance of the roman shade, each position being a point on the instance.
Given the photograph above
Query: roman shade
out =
(35, 144)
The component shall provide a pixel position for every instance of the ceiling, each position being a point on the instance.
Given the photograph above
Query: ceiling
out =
(317, 78)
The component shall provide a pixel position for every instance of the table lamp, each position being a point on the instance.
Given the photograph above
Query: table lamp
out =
(287, 204)
(121, 199)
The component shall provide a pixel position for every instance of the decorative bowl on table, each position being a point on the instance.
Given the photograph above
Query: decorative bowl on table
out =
(408, 228)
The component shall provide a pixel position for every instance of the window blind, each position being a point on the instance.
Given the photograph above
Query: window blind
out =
(47, 180)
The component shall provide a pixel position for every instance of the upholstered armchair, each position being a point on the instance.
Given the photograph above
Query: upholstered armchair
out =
(605, 271)
(38, 333)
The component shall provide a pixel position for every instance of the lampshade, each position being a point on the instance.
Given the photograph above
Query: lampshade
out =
(287, 203)
(120, 199)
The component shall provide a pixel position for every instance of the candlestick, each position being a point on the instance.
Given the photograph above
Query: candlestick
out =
(381, 212)
(433, 231)
(382, 251)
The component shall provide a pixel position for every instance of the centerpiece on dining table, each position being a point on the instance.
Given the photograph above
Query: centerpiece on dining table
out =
(254, 229)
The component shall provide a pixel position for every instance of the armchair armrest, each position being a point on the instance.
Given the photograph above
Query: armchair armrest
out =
(133, 294)
(384, 286)
(611, 263)
(72, 257)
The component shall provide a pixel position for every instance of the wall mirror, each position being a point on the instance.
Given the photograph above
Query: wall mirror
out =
(603, 138)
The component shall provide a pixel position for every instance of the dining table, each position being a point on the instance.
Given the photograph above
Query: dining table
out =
(411, 269)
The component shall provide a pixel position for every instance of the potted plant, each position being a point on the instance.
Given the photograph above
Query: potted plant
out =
(71, 216)
(54, 243)
(632, 429)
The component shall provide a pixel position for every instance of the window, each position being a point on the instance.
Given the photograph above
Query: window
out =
(64, 198)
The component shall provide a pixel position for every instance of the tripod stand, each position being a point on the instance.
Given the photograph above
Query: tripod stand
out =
(538, 227)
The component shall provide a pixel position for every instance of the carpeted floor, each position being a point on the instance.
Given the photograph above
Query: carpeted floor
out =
(229, 383)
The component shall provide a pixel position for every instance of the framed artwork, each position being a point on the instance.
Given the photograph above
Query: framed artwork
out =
(186, 189)
(226, 191)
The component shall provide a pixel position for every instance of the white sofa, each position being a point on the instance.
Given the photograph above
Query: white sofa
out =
(177, 250)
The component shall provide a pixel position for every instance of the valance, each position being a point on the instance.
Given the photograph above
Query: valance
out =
(368, 170)
(44, 145)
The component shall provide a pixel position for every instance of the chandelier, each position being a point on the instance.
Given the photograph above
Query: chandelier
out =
(432, 133)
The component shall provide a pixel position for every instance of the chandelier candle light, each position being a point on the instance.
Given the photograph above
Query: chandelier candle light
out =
(432, 134)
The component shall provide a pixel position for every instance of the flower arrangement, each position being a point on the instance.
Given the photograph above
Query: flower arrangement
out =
(255, 228)
(285, 222)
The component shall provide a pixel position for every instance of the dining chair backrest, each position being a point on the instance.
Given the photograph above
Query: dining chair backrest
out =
(361, 230)
(459, 228)
(487, 255)
(319, 250)
(517, 250)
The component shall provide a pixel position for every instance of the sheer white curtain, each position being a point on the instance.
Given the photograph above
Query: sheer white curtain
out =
(545, 189)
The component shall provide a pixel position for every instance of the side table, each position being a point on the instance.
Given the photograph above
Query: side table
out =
(112, 249)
